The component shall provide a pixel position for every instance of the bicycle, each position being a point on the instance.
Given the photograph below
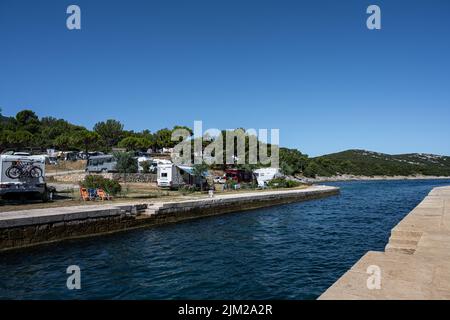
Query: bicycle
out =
(21, 169)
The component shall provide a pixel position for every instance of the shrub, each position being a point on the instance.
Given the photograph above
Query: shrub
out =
(187, 189)
(283, 183)
(146, 166)
(249, 185)
(231, 184)
(99, 182)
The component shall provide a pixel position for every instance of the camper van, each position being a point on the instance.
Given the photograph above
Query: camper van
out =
(264, 175)
(169, 176)
(103, 163)
(174, 177)
(23, 175)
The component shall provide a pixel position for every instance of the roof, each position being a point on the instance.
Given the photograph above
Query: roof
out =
(102, 156)
(190, 170)
(24, 158)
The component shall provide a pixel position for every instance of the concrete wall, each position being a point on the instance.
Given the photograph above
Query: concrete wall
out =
(32, 227)
(415, 263)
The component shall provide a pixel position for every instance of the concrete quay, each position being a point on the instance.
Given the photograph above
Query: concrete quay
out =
(38, 226)
(415, 264)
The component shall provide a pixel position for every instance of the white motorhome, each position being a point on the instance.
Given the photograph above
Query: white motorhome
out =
(169, 176)
(154, 163)
(264, 175)
(175, 176)
(23, 175)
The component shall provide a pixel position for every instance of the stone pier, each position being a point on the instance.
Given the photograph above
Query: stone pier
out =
(415, 263)
(32, 227)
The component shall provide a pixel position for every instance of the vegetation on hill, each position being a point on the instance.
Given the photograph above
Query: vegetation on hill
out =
(367, 163)
(26, 130)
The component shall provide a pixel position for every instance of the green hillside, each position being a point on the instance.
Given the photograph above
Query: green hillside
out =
(26, 130)
(368, 163)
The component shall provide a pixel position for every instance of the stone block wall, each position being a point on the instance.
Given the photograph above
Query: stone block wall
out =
(58, 224)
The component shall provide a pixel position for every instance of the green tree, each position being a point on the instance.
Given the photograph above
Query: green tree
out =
(27, 120)
(63, 142)
(4, 139)
(183, 127)
(20, 139)
(286, 169)
(134, 143)
(126, 163)
(311, 170)
(146, 166)
(110, 131)
(199, 170)
(146, 134)
(163, 138)
(86, 140)
(292, 160)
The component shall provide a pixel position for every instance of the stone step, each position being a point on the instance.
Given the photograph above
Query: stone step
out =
(403, 241)
(406, 234)
(152, 209)
(400, 248)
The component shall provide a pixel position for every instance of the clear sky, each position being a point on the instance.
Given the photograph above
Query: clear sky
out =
(310, 68)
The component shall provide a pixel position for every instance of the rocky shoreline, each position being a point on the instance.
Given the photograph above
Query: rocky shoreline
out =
(349, 177)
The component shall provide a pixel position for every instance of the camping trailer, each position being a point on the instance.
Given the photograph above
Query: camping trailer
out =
(174, 176)
(169, 176)
(264, 175)
(23, 176)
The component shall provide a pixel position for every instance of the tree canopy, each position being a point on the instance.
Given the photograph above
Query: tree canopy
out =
(25, 130)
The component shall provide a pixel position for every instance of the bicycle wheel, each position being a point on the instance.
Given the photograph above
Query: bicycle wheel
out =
(35, 172)
(13, 172)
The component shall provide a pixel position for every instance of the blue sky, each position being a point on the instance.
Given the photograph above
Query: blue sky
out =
(310, 68)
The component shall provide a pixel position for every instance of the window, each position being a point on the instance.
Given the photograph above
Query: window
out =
(164, 174)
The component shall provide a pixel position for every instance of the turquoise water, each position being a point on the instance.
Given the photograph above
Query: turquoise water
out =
(293, 251)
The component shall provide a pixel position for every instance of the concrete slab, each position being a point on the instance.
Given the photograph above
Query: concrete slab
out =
(417, 262)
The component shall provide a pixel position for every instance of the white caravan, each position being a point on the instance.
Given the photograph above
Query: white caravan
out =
(174, 177)
(154, 163)
(264, 175)
(23, 175)
(169, 176)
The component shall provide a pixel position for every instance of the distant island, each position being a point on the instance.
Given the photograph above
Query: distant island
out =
(369, 164)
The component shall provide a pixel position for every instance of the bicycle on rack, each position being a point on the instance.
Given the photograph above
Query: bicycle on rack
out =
(23, 169)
